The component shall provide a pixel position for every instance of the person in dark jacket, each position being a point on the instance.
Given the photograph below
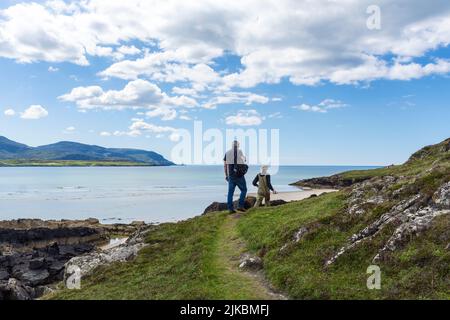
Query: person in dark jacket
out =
(233, 158)
(262, 181)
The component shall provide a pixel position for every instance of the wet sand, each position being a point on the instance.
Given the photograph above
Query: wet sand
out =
(297, 195)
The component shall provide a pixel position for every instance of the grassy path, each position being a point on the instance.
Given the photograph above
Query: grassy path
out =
(228, 250)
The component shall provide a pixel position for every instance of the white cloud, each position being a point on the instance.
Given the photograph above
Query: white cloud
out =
(131, 133)
(186, 118)
(164, 113)
(231, 97)
(34, 112)
(185, 91)
(69, 130)
(174, 137)
(245, 118)
(9, 113)
(52, 69)
(275, 115)
(307, 107)
(124, 51)
(136, 94)
(322, 107)
(140, 127)
(304, 41)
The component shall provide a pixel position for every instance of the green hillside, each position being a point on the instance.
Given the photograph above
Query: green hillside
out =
(320, 248)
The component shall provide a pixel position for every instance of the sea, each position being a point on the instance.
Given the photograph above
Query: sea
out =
(126, 194)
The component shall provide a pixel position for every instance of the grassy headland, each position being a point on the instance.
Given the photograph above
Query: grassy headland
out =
(198, 258)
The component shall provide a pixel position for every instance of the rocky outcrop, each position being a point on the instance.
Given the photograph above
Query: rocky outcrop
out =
(410, 216)
(125, 252)
(26, 275)
(249, 203)
(15, 290)
(26, 234)
(333, 182)
(430, 151)
(33, 252)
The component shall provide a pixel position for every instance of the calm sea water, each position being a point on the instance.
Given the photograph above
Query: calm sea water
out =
(152, 194)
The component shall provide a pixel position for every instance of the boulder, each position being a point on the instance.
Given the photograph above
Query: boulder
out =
(249, 203)
(89, 262)
(250, 262)
(37, 263)
(15, 290)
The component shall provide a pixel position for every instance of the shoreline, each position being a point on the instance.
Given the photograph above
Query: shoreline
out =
(289, 196)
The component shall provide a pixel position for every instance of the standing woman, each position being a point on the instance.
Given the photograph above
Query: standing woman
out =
(262, 181)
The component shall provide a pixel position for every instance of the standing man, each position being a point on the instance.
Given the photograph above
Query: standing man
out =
(235, 169)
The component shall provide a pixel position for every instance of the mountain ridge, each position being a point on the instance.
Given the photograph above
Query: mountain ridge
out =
(68, 150)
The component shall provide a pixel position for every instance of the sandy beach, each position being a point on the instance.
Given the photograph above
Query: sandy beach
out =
(297, 195)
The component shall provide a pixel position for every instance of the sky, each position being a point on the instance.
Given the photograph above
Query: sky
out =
(346, 82)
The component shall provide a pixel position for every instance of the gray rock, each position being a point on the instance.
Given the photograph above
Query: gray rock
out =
(300, 233)
(15, 290)
(417, 223)
(441, 197)
(250, 262)
(410, 217)
(34, 277)
(4, 275)
(89, 262)
(37, 263)
(124, 252)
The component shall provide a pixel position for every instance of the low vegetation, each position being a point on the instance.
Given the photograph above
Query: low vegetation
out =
(186, 260)
(198, 258)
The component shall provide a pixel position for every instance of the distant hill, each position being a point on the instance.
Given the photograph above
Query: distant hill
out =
(66, 150)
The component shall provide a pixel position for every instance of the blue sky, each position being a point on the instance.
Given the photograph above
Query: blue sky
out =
(371, 99)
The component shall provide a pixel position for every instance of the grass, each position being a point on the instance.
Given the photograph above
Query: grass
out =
(198, 258)
(299, 270)
(193, 259)
(69, 163)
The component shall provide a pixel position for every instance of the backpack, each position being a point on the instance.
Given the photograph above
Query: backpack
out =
(239, 169)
